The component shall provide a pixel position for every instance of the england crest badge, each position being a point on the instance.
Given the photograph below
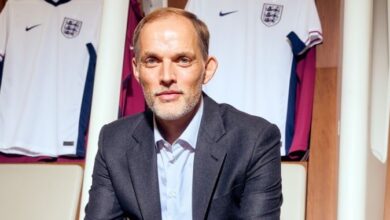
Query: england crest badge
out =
(271, 14)
(71, 27)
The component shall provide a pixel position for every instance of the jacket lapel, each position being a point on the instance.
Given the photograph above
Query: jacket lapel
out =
(209, 158)
(142, 160)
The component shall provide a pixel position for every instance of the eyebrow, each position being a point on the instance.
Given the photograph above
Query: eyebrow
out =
(186, 53)
(180, 54)
(149, 54)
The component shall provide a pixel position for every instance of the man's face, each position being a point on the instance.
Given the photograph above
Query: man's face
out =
(170, 68)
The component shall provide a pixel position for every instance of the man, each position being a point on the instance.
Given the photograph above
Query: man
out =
(187, 157)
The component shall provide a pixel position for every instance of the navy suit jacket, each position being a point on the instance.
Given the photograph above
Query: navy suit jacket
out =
(236, 168)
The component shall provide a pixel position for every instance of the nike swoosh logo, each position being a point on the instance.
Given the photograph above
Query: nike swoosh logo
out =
(31, 27)
(226, 13)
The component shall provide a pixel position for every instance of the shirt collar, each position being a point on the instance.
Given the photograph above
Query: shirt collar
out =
(58, 2)
(190, 134)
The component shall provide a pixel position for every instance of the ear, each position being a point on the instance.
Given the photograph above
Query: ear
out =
(135, 69)
(211, 67)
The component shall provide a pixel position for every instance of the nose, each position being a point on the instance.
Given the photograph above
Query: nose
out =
(167, 76)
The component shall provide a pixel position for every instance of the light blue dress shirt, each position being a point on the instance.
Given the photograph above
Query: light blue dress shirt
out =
(175, 170)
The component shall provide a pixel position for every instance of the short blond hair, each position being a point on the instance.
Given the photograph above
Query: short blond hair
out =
(200, 27)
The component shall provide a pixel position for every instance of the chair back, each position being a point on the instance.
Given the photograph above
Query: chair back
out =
(39, 191)
(294, 191)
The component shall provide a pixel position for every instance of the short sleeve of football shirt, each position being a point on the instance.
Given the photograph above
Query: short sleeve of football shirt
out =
(255, 56)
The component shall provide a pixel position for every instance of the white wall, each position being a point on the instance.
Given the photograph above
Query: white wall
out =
(361, 174)
(106, 89)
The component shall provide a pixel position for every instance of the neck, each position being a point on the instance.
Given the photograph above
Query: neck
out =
(172, 129)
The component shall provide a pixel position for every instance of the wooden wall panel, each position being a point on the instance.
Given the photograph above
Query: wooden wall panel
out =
(324, 149)
(328, 54)
(323, 161)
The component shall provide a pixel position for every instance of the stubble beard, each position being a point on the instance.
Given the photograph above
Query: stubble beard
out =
(173, 110)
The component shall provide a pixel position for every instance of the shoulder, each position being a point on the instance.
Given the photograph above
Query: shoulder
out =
(121, 130)
(124, 125)
(235, 124)
(253, 127)
(118, 136)
(239, 120)
(230, 113)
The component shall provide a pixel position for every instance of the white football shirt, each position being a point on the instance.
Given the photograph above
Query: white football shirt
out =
(47, 48)
(249, 39)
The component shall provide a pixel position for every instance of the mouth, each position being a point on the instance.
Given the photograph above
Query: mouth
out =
(169, 95)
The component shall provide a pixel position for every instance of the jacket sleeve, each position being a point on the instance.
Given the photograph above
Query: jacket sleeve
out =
(103, 203)
(262, 195)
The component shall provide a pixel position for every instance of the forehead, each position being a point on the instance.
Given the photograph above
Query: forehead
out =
(172, 23)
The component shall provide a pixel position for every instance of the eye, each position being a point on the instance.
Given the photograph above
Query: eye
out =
(184, 61)
(150, 61)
